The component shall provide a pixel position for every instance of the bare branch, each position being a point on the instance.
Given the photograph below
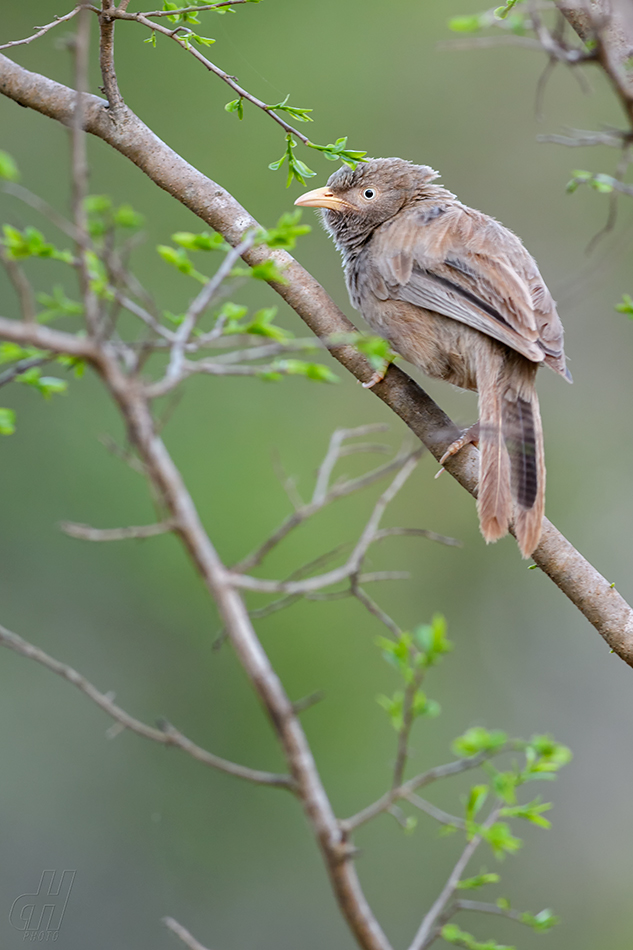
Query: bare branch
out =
(427, 932)
(486, 908)
(306, 511)
(168, 735)
(183, 934)
(404, 733)
(334, 453)
(85, 532)
(49, 26)
(357, 591)
(43, 207)
(22, 287)
(615, 138)
(425, 778)
(452, 821)
(417, 533)
(353, 564)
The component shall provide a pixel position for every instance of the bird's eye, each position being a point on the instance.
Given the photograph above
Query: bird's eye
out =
(369, 193)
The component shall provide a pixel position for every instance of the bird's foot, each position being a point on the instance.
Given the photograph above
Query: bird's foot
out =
(376, 377)
(468, 437)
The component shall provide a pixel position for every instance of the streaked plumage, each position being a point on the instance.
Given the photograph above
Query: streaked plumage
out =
(457, 294)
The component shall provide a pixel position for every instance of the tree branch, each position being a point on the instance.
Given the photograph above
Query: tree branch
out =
(427, 931)
(183, 934)
(167, 735)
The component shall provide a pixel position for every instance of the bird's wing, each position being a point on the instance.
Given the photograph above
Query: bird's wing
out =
(445, 257)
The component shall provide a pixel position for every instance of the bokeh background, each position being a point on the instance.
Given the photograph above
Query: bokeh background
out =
(149, 831)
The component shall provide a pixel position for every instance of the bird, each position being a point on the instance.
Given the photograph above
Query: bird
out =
(456, 294)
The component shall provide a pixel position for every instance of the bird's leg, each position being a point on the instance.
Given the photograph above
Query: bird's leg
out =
(469, 436)
(376, 377)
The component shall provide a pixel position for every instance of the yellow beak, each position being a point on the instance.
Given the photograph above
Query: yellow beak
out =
(322, 198)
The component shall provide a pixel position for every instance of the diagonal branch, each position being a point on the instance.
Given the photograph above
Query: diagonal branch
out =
(183, 934)
(592, 594)
(167, 735)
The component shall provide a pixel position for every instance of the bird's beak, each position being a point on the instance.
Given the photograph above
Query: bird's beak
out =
(322, 198)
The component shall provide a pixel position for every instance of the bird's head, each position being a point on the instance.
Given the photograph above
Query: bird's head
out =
(357, 201)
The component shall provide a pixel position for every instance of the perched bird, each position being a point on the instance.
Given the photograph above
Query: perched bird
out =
(456, 294)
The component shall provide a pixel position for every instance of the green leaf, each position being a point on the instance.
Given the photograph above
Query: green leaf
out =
(453, 934)
(479, 880)
(532, 811)
(12, 352)
(502, 12)
(126, 217)
(500, 839)
(7, 421)
(151, 39)
(504, 784)
(465, 24)
(30, 243)
(541, 922)
(432, 640)
(286, 232)
(202, 40)
(394, 708)
(56, 305)
(199, 242)
(262, 325)
(544, 756)
(8, 168)
(477, 739)
(177, 257)
(376, 349)
(237, 105)
(626, 306)
(301, 115)
(267, 271)
(46, 385)
(316, 371)
(74, 363)
(476, 800)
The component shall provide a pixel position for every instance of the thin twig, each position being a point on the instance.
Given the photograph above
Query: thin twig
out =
(452, 821)
(85, 532)
(404, 733)
(300, 515)
(183, 934)
(21, 285)
(21, 367)
(49, 26)
(220, 73)
(352, 565)
(483, 907)
(427, 931)
(168, 735)
(424, 778)
(334, 453)
(176, 370)
(361, 595)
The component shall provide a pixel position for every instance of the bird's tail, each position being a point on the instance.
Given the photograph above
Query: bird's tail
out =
(512, 479)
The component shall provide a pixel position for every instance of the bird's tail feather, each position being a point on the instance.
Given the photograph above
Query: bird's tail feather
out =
(512, 478)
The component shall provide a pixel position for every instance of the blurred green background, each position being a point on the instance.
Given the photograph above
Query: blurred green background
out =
(149, 831)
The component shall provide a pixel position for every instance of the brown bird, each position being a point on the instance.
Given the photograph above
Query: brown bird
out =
(457, 294)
